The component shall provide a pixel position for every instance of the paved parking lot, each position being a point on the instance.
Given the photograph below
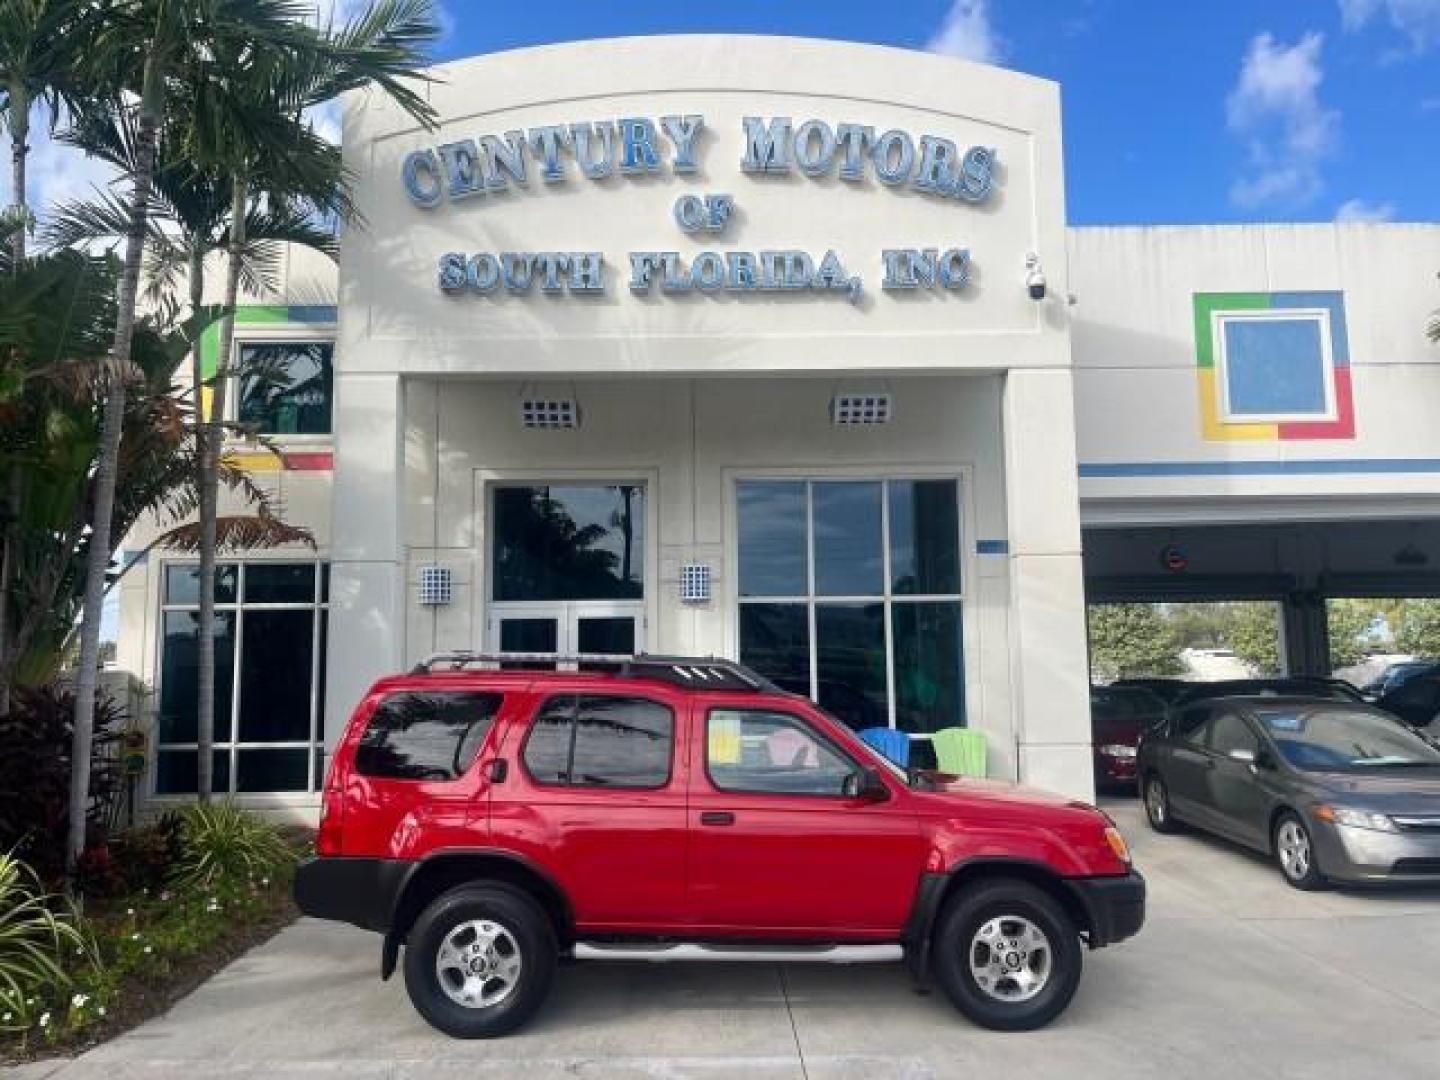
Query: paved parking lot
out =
(1235, 975)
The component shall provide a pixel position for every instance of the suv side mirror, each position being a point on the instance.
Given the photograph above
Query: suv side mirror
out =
(866, 784)
(1263, 759)
(1246, 756)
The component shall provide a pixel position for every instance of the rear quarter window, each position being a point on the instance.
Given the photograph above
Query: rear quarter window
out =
(432, 735)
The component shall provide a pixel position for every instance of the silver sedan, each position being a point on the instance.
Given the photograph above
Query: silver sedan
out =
(1333, 791)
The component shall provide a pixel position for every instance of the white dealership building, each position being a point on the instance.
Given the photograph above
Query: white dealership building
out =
(781, 350)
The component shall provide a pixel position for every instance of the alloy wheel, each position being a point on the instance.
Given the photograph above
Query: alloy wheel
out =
(478, 964)
(1155, 802)
(1011, 959)
(1293, 844)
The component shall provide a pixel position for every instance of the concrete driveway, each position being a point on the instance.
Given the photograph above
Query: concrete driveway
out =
(1234, 975)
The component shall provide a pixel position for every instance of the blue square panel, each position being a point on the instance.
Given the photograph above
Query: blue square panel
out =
(1275, 367)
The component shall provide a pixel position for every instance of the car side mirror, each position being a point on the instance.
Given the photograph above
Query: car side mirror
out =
(1263, 759)
(1246, 756)
(866, 784)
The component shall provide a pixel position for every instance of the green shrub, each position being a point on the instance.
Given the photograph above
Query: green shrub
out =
(146, 855)
(221, 843)
(40, 936)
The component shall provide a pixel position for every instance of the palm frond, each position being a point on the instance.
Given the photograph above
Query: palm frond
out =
(235, 533)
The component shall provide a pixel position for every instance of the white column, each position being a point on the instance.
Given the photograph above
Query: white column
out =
(1049, 666)
(367, 587)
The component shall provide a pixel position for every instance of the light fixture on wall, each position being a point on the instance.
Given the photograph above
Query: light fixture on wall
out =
(548, 412)
(1034, 277)
(435, 586)
(863, 410)
(695, 583)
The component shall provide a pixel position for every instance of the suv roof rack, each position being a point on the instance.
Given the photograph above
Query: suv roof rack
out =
(703, 672)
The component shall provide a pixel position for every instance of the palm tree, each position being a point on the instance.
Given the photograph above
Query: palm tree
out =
(188, 222)
(141, 51)
(272, 156)
(41, 45)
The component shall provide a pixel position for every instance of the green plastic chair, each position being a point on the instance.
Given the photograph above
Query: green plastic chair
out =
(960, 751)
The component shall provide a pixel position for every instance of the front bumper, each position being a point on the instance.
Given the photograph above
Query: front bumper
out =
(361, 891)
(1356, 855)
(1114, 906)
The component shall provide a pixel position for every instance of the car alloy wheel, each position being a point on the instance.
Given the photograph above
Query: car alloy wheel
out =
(1157, 805)
(478, 964)
(1011, 959)
(1295, 853)
(479, 960)
(1007, 954)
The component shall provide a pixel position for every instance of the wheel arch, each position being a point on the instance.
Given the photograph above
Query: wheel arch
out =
(442, 871)
(938, 890)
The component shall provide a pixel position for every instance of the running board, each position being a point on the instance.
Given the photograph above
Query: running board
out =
(750, 952)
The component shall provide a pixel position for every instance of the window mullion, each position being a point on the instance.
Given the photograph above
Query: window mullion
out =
(885, 587)
(810, 615)
(235, 676)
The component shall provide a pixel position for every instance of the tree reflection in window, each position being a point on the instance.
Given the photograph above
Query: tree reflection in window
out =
(601, 741)
(579, 542)
(285, 387)
(426, 736)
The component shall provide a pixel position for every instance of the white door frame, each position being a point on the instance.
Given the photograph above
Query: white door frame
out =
(567, 614)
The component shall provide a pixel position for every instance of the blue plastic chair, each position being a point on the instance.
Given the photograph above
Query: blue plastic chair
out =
(895, 745)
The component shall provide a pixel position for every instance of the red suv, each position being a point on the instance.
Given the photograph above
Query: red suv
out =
(494, 820)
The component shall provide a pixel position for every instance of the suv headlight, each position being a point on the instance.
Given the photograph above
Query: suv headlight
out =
(1355, 819)
(1117, 750)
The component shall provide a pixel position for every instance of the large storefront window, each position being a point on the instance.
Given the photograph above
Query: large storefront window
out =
(269, 677)
(850, 592)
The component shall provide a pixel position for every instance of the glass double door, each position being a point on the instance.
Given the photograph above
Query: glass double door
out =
(567, 628)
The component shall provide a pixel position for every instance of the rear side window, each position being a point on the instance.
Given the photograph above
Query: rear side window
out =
(595, 740)
(426, 736)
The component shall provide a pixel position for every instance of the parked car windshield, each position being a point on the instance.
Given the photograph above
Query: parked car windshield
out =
(1327, 739)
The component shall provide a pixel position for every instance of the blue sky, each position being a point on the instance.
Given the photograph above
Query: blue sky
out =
(1175, 111)
(1276, 110)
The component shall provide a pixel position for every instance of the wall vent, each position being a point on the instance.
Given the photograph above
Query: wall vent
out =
(549, 413)
(860, 409)
(436, 586)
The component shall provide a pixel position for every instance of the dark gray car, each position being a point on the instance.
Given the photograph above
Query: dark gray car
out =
(1332, 790)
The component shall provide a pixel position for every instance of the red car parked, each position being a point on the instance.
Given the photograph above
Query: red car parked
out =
(1119, 715)
(492, 821)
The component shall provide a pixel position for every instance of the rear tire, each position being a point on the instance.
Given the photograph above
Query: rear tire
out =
(1158, 811)
(479, 961)
(1294, 850)
(1008, 955)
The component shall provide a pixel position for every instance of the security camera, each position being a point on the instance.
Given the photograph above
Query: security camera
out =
(1034, 277)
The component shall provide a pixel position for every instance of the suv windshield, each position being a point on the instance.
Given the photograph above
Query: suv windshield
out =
(1328, 739)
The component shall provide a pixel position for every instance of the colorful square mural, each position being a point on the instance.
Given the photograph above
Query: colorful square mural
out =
(1273, 366)
(249, 314)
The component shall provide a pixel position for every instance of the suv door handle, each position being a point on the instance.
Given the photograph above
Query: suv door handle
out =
(717, 817)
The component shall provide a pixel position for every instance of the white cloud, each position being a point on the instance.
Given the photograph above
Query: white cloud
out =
(966, 33)
(1417, 20)
(1275, 107)
(1359, 210)
(55, 171)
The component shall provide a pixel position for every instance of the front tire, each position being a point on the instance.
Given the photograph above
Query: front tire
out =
(1294, 850)
(479, 961)
(1008, 955)
(1158, 811)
